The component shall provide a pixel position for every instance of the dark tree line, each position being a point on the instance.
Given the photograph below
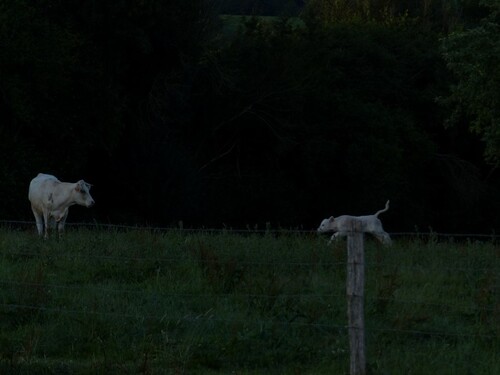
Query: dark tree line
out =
(262, 7)
(286, 120)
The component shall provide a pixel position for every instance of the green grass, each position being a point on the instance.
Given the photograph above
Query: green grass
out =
(104, 302)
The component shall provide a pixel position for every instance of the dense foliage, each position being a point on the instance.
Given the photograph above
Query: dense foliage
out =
(175, 113)
(474, 56)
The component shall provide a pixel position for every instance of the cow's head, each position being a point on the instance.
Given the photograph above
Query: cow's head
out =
(83, 196)
(326, 225)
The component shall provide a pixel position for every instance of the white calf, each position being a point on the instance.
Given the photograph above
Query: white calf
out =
(343, 224)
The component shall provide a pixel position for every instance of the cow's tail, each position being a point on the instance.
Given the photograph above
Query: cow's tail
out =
(385, 209)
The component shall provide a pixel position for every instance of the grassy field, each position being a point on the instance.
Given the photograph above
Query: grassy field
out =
(109, 302)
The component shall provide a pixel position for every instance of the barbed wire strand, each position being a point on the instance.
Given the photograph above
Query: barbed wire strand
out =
(205, 317)
(248, 230)
(241, 294)
(193, 259)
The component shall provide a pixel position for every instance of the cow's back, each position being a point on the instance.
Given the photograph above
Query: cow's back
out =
(40, 189)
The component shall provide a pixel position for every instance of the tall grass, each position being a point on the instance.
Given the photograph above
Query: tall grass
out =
(172, 303)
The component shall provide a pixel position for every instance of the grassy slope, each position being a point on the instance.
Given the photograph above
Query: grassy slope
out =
(106, 302)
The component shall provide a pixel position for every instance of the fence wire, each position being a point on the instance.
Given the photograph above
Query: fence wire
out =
(209, 317)
(248, 230)
(157, 292)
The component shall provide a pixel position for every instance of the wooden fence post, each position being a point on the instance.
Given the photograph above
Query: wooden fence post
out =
(355, 298)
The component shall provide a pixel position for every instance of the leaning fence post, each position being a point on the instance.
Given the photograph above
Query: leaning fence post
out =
(355, 298)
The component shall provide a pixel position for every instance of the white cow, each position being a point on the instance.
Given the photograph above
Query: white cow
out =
(50, 200)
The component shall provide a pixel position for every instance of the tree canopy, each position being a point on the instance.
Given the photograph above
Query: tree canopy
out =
(473, 55)
(173, 116)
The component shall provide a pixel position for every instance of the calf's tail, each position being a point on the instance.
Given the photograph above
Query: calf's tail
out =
(385, 209)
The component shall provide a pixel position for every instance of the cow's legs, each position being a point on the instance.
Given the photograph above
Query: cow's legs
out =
(61, 222)
(336, 236)
(46, 219)
(383, 237)
(39, 221)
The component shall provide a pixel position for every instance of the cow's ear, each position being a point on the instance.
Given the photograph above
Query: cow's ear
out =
(80, 186)
(331, 219)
